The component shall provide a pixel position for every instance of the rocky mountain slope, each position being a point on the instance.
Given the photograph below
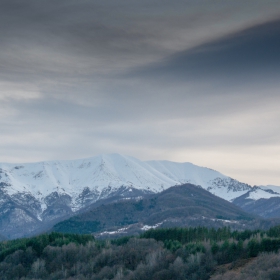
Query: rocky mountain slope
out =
(37, 195)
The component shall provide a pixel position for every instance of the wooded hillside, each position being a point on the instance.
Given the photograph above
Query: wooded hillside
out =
(177, 253)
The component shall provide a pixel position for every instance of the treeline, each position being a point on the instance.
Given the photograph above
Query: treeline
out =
(226, 245)
(196, 234)
(39, 243)
(159, 254)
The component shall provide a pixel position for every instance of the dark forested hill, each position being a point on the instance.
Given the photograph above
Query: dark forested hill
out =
(185, 205)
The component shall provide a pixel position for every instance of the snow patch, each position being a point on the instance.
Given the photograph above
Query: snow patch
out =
(146, 227)
(121, 230)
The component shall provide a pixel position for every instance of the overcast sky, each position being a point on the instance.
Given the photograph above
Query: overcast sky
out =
(185, 80)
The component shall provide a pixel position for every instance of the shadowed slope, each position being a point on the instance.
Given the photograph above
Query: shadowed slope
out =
(180, 206)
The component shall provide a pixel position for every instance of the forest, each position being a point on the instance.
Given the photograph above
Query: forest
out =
(170, 253)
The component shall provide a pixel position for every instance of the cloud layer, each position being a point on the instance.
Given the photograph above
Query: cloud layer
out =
(187, 81)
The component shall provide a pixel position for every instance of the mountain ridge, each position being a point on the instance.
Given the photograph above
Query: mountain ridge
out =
(106, 170)
(38, 194)
(184, 205)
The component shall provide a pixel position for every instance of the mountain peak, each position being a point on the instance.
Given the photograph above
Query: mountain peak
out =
(52, 189)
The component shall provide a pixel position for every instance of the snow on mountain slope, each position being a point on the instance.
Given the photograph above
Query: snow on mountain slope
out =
(265, 192)
(261, 200)
(185, 172)
(211, 180)
(71, 177)
(111, 171)
(275, 189)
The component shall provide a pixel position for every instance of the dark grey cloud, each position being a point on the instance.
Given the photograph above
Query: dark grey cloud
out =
(90, 38)
(249, 56)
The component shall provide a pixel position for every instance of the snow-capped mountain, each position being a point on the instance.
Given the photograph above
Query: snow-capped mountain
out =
(261, 200)
(263, 192)
(104, 174)
(34, 194)
(211, 180)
